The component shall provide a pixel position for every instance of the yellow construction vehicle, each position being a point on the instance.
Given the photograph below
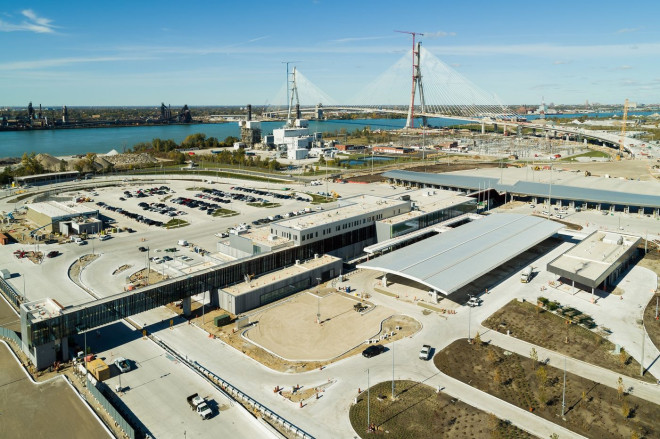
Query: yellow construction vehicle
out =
(335, 195)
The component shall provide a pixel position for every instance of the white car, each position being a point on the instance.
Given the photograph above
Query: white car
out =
(122, 364)
(474, 301)
(425, 352)
(104, 237)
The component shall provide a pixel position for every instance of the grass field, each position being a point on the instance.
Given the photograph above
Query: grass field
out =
(266, 205)
(592, 410)
(225, 213)
(543, 328)
(175, 223)
(418, 412)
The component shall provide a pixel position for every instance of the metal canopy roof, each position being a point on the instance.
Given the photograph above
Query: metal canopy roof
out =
(455, 258)
(535, 189)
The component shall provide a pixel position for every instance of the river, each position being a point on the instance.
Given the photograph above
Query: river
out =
(60, 142)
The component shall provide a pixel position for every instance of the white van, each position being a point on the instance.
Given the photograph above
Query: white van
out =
(183, 243)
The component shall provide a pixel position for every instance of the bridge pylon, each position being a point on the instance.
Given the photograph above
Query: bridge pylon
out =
(416, 84)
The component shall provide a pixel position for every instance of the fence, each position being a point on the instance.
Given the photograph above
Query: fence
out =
(11, 335)
(10, 294)
(99, 392)
(236, 394)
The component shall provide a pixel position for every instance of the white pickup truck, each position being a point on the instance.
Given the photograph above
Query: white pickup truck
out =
(198, 404)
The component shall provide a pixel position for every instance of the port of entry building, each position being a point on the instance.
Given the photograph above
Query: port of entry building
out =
(597, 261)
(453, 259)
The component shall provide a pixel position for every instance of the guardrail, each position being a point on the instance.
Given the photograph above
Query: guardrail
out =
(234, 393)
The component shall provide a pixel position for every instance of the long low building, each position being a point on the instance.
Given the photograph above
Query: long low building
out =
(53, 216)
(598, 260)
(573, 196)
(453, 259)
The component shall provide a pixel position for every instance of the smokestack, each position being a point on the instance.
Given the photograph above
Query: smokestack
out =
(249, 110)
(297, 111)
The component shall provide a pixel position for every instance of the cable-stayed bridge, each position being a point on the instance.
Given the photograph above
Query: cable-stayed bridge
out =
(434, 90)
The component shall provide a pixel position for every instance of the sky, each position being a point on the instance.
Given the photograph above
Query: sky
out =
(232, 52)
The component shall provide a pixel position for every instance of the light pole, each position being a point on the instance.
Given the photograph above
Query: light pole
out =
(392, 370)
(368, 403)
(148, 266)
(563, 395)
(318, 300)
(641, 359)
(469, 321)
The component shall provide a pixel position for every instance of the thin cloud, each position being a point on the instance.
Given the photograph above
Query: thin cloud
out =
(439, 34)
(624, 67)
(34, 23)
(560, 62)
(627, 30)
(351, 40)
(58, 62)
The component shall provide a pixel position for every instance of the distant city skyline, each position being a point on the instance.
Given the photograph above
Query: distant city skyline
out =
(206, 53)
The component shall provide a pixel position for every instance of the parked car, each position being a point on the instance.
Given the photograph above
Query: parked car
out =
(373, 350)
(104, 237)
(425, 352)
(52, 254)
(142, 249)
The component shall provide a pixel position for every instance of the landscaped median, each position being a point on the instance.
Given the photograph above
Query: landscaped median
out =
(591, 409)
(536, 324)
(419, 412)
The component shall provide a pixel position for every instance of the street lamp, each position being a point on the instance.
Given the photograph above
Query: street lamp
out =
(318, 300)
(469, 322)
(368, 403)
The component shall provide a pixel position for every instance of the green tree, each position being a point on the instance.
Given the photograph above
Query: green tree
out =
(542, 375)
(534, 356)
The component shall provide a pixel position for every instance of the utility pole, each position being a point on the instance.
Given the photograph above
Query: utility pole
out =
(392, 370)
(416, 80)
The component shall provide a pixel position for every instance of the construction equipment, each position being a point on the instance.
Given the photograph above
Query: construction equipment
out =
(623, 130)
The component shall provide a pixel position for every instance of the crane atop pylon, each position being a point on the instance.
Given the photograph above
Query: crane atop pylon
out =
(416, 81)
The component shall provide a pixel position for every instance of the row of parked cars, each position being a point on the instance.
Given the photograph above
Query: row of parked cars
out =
(266, 193)
(161, 208)
(134, 216)
(209, 208)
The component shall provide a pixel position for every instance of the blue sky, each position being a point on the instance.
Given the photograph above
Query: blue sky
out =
(231, 52)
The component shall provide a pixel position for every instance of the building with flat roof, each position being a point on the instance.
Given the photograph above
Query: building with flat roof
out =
(270, 287)
(49, 178)
(597, 261)
(53, 216)
(354, 213)
(429, 207)
(604, 197)
(451, 260)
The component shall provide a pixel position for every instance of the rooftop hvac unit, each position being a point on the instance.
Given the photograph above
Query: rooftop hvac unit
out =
(297, 261)
(316, 255)
(272, 237)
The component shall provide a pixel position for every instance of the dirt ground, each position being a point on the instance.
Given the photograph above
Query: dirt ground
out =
(447, 166)
(592, 410)
(48, 410)
(139, 278)
(232, 336)
(290, 329)
(549, 331)
(635, 169)
(419, 412)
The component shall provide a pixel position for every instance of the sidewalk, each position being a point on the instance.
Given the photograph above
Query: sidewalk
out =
(641, 389)
(483, 401)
